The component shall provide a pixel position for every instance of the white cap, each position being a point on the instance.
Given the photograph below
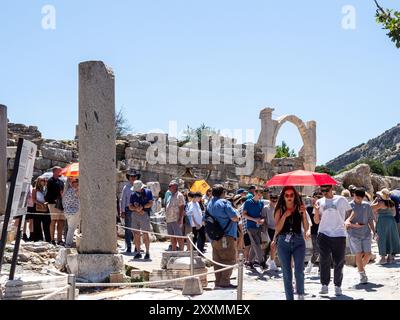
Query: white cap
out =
(138, 186)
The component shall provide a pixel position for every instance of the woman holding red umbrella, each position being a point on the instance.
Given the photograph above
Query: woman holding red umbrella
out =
(290, 217)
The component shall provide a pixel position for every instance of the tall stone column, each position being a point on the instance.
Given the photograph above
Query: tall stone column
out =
(268, 129)
(97, 257)
(3, 158)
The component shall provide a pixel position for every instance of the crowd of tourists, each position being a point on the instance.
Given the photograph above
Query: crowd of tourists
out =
(267, 226)
(263, 225)
(52, 201)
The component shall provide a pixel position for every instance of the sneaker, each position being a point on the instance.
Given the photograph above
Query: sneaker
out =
(272, 266)
(382, 261)
(53, 242)
(137, 256)
(363, 278)
(390, 259)
(129, 250)
(309, 267)
(61, 243)
(338, 291)
(324, 290)
(300, 297)
(147, 256)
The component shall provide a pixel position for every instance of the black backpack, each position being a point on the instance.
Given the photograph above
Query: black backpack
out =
(213, 228)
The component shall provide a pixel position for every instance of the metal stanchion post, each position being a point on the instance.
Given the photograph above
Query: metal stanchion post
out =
(72, 286)
(191, 236)
(240, 278)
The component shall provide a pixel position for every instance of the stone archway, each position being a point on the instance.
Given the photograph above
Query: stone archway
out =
(269, 132)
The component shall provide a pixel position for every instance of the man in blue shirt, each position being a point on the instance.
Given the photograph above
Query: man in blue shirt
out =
(140, 204)
(224, 250)
(252, 212)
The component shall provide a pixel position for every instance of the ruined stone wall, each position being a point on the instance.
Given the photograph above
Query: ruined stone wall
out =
(131, 152)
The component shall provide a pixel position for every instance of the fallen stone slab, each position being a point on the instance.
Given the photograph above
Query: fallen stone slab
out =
(158, 275)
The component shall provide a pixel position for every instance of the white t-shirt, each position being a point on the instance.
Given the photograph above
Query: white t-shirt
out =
(333, 216)
(194, 211)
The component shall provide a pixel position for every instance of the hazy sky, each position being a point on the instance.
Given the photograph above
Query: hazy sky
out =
(218, 62)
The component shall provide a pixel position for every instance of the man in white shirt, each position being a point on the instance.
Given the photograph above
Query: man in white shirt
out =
(330, 214)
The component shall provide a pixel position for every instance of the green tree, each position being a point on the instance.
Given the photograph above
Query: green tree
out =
(122, 126)
(325, 169)
(283, 151)
(394, 169)
(390, 20)
(195, 134)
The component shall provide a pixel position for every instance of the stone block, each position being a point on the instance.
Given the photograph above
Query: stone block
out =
(116, 277)
(140, 275)
(57, 154)
(167, 255)
(58, 164)
(42, 163)
(94, 267)
(192, 287)
(183, 263)
(158, 275)
(11, 152)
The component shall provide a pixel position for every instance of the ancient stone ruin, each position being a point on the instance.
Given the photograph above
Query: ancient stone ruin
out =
(134, 150)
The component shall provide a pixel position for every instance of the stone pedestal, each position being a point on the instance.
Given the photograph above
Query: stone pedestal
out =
(3, 158)
(97, 257)
(94, 268)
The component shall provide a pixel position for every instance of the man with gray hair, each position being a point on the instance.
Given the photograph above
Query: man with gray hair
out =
(174, 214)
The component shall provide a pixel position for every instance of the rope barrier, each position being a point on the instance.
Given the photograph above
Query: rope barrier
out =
(202, 254)
(53, 294)
(135, 284)
(149, 232)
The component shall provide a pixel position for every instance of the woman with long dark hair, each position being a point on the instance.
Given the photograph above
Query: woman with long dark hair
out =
(290, 216)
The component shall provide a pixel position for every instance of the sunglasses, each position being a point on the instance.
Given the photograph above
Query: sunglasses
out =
(289, 195)
(325, 190)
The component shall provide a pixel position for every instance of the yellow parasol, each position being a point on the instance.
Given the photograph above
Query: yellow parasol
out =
(200, 186)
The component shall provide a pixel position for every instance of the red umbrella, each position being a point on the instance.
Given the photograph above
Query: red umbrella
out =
(301, 178)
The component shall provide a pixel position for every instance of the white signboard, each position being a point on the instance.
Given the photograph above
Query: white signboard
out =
(24, 178)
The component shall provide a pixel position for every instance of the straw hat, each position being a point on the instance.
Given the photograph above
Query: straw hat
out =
(384, 194)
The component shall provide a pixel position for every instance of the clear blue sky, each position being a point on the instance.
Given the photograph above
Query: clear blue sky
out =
(217, 62)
